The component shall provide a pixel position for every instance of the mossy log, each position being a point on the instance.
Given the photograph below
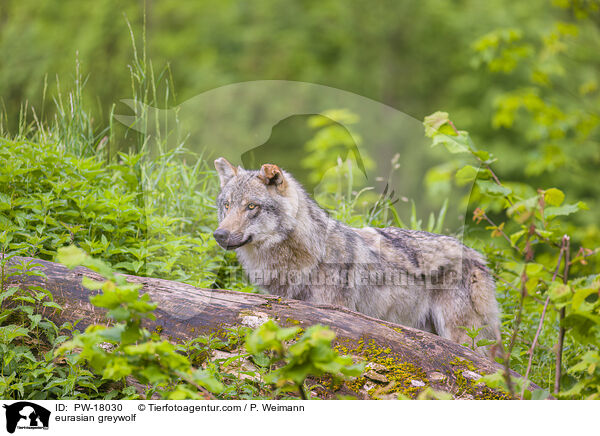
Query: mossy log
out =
(401, 359)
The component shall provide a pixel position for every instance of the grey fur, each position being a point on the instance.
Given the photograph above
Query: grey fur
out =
(292, 248)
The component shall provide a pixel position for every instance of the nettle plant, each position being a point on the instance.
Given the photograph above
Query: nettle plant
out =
(29, 369)
(547, 288)
(125, 348)
(144, 215)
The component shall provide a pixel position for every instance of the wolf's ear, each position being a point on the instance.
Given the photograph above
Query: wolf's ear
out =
(225, 170)
(271, 175)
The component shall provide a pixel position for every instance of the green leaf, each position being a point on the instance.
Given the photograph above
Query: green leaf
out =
(580, 296)
(52, 304)
(559, 291)
(208, 381)
(108, 300)
(91, 284)
(11, 332)
(564, 210)
(71, 256)
(8, 293)
(484, 342)
(493, 189)
(483, 155)
(534, 269)
(113, 334)
(434, 122)
(5, 202)
(553, 197)
(119, 314)
(514, 238)
(540, 394)
(285, 334)
(353, 370)
(117, 368)
(495, 380)
(531, 285)
(466, 174)
(454, 144)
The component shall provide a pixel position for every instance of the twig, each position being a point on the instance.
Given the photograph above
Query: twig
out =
(530, 351)
(487, 218)
(539, 329)
(581, 258)
(500, 278)
(529, 254)
(561, 331)
(302, 393)
(507, 377)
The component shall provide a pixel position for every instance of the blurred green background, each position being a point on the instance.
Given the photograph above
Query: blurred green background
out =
(521, 77)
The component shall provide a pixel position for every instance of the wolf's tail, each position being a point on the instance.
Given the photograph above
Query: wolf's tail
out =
(483, 295)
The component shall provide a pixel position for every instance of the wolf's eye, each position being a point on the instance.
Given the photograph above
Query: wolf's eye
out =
(226, 204)
(251, 206)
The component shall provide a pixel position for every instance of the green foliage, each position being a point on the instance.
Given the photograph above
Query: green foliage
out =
(544, 101)
(472, 333)
(145, 216)
(311, 355)
(28, 341)
(534, 262)
(125, 348)
(341, 185)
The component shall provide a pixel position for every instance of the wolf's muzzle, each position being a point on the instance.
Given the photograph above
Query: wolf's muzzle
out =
(229, 240)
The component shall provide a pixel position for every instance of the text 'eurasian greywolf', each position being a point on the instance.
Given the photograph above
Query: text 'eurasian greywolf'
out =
(290, 247)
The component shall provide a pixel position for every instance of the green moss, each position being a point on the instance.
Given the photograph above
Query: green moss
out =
(467, 364)
(469, 387)
(398, 372)
(276, 300)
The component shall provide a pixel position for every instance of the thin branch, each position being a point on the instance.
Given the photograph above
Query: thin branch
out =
(529, 255)
(487, 218)
(302, 393)
(530, 351)
(539, 329)
(580, 258)
(561, 331)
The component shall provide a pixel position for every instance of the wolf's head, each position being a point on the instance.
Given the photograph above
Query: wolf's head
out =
(255, 207)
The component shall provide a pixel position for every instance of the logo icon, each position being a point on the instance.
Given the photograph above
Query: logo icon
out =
(26, 415)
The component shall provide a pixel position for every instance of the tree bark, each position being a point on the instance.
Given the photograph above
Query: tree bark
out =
(411, 358)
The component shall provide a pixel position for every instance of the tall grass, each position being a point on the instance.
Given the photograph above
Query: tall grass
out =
(121, 195)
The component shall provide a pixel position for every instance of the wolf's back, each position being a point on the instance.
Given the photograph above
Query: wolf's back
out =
(457, 285)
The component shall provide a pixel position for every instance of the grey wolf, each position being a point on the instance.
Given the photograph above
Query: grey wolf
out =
(291, 247)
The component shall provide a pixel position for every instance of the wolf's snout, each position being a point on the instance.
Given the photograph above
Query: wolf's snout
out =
(230, 240)
(221, 236)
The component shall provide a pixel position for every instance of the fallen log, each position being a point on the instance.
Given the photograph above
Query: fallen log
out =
(400, 359)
